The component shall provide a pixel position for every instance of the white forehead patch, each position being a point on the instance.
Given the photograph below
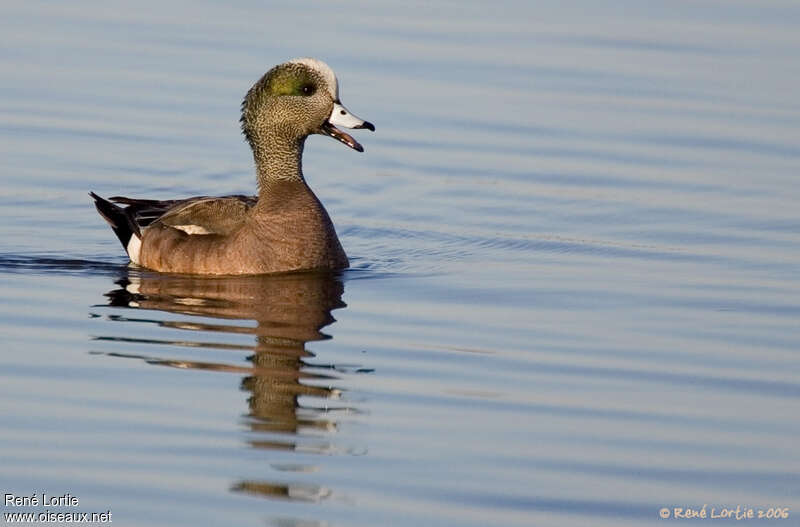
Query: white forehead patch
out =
(324, 70)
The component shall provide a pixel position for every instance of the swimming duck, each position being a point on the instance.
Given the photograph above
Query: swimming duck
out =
(284, 228)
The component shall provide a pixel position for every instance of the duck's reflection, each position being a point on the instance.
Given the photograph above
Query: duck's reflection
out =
(289, 311)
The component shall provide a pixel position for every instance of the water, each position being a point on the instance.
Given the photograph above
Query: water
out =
(575, 289)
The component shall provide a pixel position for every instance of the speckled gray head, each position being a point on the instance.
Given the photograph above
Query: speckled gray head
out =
(295, 99)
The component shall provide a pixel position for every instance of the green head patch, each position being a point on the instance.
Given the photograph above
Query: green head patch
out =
(291, 79)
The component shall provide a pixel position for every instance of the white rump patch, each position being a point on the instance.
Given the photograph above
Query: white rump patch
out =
(133, 288)
(134, 285)
(192, 229)
(134, 248)
(324, 70)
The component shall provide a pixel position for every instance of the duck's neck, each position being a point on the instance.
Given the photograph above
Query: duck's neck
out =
(279, 160)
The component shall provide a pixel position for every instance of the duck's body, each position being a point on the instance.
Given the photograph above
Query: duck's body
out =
(284, 228)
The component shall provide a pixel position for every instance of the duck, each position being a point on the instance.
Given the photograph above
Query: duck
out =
(285, 227)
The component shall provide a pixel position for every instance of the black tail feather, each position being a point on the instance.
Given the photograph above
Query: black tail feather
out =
(121, 222)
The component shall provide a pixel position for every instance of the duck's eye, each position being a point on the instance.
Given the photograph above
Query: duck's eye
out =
(308, 89)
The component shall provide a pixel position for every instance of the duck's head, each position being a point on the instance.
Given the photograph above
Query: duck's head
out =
(296, 99)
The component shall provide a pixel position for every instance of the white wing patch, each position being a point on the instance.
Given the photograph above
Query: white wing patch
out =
(134, 248)
(192, 229)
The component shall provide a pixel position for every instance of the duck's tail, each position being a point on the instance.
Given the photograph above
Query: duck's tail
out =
(122, 223)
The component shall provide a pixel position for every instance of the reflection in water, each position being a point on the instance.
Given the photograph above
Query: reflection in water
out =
(289, 311)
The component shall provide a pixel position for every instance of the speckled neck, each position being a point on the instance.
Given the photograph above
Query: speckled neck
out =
(279, 158)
